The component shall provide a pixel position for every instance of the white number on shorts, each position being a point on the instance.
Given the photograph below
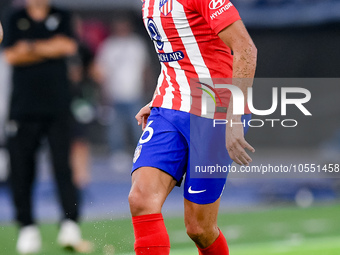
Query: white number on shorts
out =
(147, 129)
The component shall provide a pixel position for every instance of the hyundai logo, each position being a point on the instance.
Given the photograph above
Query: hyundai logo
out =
(216, 4)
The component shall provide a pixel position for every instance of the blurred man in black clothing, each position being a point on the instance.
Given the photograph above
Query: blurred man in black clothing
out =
(38, 41)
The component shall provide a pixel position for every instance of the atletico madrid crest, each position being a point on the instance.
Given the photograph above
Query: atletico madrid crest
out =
(165, 6)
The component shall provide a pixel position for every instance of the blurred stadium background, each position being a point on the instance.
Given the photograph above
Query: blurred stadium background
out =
(290, 216)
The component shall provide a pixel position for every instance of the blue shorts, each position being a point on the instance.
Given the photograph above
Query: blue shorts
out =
(182, 144)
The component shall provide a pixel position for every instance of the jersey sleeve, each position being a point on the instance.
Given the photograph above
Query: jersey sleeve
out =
(218, 13)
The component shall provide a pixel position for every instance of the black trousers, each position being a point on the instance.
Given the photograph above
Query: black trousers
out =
(24, 139)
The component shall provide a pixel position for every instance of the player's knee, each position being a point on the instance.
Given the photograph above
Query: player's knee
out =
(199, 232)
(195, 231)
(135, 202)
(142, 203)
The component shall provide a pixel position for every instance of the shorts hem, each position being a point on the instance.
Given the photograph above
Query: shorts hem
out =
(178, 181)
(201, 201)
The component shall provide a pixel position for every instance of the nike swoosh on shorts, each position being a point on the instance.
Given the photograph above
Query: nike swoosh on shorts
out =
(195, 191)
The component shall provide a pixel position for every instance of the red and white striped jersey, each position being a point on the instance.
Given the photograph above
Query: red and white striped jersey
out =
(184, 33)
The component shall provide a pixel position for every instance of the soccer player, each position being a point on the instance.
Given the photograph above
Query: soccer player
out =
(38, 40)
(194, 40)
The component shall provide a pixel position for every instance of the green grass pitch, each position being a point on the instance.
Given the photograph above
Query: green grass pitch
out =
(276, 231)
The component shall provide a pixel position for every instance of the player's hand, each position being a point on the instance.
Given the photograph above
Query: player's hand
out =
(143, 115)
(236, 144)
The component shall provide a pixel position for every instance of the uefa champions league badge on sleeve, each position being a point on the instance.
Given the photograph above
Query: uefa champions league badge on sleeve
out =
(137, 153)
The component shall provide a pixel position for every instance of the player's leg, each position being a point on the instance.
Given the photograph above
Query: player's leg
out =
(201, 204)
(150, 188)
(203, 189)
(201, 224)
(161, 147)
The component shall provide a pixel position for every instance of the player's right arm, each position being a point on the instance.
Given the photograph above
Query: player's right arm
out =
(143, 115)
(224, 20)
(238, 40)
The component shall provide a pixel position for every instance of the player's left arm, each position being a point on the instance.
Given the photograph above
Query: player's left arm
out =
(239, 41)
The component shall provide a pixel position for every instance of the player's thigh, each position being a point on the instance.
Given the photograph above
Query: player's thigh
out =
(150, 187)
(152, 181)
(159, 163)
(162, 146)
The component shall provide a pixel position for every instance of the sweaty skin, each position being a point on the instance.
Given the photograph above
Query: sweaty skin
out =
(238, 40)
